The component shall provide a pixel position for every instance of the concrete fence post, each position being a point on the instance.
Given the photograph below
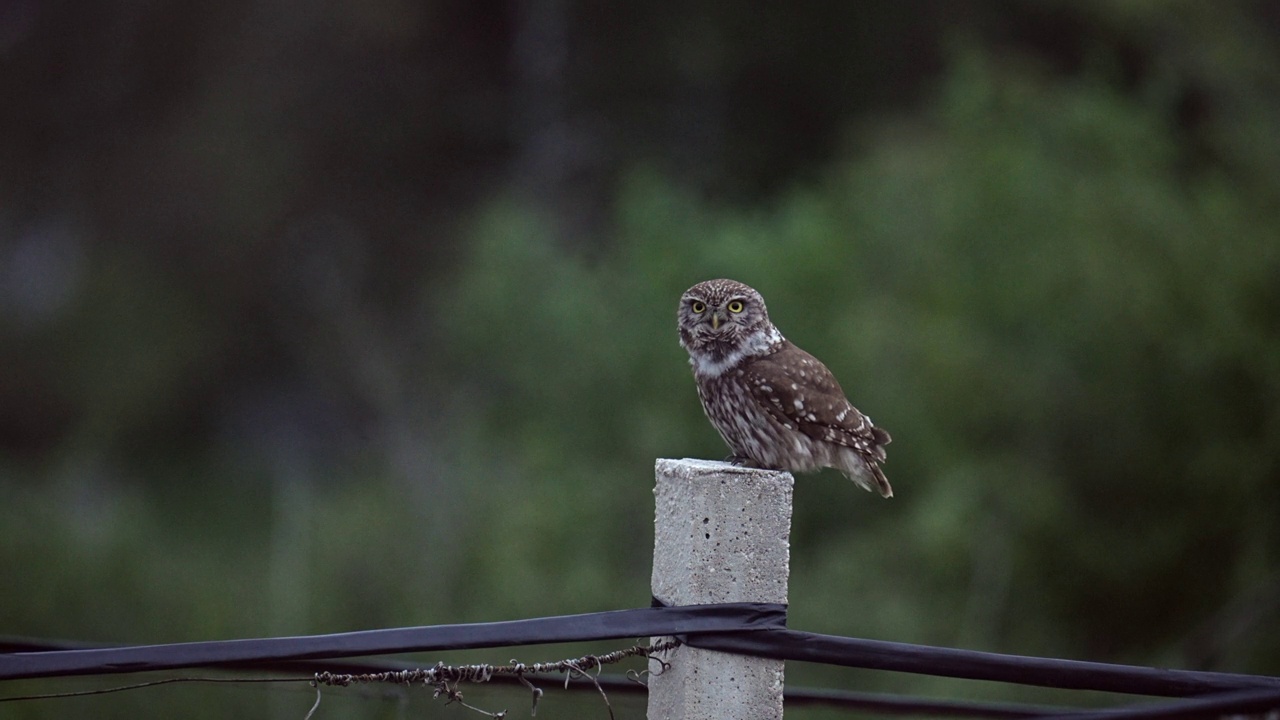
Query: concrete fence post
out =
(721, 534)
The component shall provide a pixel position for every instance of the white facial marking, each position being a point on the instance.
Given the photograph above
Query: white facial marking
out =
(705, 366)
(757, 344)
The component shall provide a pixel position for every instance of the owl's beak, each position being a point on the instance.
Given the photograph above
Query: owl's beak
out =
(715, 321)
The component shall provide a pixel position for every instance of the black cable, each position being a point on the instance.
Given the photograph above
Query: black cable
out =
(752, 629)
(785, 644)
(613, 625)
(880, 703)
(1233, 703)
(885, 704)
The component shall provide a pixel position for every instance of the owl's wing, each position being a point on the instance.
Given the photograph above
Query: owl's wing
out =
(800, 392)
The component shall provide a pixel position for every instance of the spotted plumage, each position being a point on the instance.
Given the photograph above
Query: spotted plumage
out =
(775, 405)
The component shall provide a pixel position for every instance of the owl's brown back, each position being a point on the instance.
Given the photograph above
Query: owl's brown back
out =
(797, 389)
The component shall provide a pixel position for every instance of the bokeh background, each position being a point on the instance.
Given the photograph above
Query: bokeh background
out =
(323, 316)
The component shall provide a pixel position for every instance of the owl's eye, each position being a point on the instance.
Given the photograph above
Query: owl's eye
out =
(698, 307)
(735, 306)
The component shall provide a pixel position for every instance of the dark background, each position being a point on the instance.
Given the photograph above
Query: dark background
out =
(318, 316)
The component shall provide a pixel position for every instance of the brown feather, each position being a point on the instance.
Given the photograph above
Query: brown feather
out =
(796, 388)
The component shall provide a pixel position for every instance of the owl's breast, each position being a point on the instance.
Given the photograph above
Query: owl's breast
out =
(748, 429)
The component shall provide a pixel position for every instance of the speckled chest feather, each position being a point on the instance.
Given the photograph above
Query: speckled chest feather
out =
(748, 430)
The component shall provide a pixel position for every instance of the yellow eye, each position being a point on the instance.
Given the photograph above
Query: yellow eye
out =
(735, 306)
(698, 307)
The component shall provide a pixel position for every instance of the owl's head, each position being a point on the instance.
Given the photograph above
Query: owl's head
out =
(721, 322)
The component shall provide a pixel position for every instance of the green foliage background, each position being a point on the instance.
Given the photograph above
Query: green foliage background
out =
(1059, 293)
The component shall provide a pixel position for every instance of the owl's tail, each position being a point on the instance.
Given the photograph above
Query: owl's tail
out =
(882, 483)
(870, 477)
(873, 465)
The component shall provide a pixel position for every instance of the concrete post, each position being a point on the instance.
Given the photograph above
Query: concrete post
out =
(721, 534)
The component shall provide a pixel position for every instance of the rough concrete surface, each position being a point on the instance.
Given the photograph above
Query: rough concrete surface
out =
(721, 534)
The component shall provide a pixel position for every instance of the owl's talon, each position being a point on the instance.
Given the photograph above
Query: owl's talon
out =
(740, 461)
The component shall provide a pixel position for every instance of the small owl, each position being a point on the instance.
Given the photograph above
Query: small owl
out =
(774, 404)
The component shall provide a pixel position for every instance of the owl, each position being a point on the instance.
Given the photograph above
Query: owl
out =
(776, 406)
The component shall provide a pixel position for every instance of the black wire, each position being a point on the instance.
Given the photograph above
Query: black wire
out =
(1243, 701)
(752, 629)
(794, 696)
(613, 625)
(619, 684)
(147, 684)
(784, 644)
(885, 704)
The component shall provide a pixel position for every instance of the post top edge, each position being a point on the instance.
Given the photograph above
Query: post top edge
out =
(697, 466)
